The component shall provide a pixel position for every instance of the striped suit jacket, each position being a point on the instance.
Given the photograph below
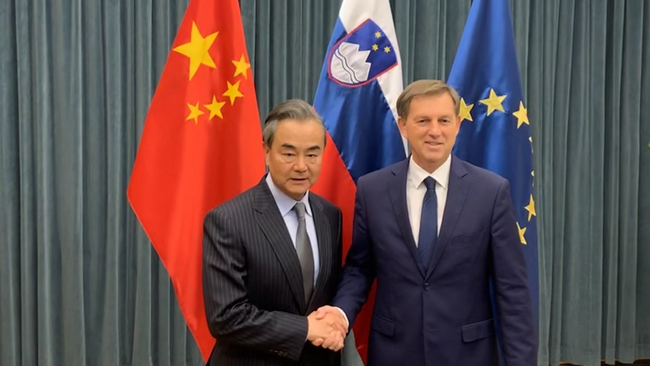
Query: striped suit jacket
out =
(252, 281)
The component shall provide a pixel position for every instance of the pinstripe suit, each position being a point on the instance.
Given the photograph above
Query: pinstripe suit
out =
(252, 281)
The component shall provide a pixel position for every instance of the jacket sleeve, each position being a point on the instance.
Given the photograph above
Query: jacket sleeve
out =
(360, 268)
(231, 317)
(512, 294)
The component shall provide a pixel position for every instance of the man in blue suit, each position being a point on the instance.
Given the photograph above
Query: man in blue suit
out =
(433, 230)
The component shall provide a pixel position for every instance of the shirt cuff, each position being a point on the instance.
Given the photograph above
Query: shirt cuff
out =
(347, 323)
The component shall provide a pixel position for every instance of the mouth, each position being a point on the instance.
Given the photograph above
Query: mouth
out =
(433, 143)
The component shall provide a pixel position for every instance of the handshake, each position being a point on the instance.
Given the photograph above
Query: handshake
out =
(327, 328)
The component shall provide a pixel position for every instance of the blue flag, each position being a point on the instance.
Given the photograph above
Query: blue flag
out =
(495, 130)
(360, 82)
(357, 92)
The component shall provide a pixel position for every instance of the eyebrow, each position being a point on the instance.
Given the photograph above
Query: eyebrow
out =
(429, 118)
(311, 148)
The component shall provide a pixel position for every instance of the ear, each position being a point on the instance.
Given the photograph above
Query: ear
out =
(267, 151)
(401, 124)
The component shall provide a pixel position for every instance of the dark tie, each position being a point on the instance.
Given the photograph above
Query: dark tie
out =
(428, 223)
(305, 254)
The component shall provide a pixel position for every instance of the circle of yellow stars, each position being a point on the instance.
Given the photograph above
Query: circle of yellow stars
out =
(197, 50)
(494, 103)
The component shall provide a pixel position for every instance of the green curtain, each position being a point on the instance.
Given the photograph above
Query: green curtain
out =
(81, 285)
(587, 67)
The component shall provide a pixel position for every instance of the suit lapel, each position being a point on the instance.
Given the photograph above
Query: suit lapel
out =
(397, 192)
(272, 224)
(324, 237)
(457, 191)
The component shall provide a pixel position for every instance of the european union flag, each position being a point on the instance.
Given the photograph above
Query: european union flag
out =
(495, 130)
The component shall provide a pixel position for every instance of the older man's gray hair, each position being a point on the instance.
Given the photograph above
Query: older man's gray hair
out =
(294, 109)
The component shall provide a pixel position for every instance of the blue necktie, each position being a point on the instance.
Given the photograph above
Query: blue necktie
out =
(428, 223)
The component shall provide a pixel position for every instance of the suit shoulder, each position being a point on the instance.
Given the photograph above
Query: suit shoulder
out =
(381, 174)
(240, 203)
(486, 177)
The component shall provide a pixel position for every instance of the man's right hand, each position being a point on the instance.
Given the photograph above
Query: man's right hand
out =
(332, 310)
(327, 331)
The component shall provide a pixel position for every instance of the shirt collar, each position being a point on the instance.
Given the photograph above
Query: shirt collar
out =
(284, 202)
(417, 174)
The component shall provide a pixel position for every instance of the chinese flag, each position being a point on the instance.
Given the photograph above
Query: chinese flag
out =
(201, 145)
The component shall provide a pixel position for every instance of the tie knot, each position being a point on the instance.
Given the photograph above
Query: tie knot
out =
(430, 183)
(300, 209)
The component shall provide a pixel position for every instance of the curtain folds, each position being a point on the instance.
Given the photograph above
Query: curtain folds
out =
(81, 285)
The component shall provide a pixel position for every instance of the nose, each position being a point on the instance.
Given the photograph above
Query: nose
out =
(300, 164)
(434, 129)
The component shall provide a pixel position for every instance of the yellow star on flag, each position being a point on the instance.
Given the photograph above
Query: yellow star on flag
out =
(531, 208)
(195, 112)
(522, 115)
(242, 66)
(494, 102)
(215, 108)
(233, 92)
(522, 238)
(465, 110)
(198, 50)
(386, 49)
(375, 47)
(377, 34)
(532, 174)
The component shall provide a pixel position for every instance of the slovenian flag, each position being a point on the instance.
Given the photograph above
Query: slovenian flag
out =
(359, 84)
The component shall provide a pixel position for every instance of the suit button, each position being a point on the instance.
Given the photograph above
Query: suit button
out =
(426, 286)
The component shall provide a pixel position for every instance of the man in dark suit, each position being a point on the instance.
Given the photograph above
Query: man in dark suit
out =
(272, 255)
(433, 231)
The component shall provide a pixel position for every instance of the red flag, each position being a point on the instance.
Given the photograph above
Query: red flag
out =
(201, 145)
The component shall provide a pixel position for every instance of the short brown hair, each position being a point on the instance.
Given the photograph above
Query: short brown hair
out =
(425, 87)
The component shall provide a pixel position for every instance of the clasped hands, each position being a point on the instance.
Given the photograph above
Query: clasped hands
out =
(327, 328)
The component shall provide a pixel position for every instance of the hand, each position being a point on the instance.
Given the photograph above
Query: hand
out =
(334, 311)
(335, 341)
(327, 332)
(322, 313)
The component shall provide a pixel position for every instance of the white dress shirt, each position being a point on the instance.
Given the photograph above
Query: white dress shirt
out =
(415, 190)
(285, 205)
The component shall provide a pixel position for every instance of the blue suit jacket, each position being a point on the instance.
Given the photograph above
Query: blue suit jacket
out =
(442, 316)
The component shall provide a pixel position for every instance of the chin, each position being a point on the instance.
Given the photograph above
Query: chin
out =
(299, 193)
(434, 158)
